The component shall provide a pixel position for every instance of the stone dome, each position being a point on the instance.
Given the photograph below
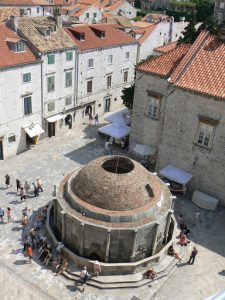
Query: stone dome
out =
(115, 183)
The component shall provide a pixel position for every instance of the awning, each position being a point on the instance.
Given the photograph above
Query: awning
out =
(33, 130)
(116, 131)
(176, 174)
(121, 117)
(144, 149)
(54, 118)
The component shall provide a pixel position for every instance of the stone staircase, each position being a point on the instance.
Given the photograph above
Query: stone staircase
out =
(163, 270)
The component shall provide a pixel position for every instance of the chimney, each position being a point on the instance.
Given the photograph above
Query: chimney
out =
(57, 16)
(14, 22)
(222, 34)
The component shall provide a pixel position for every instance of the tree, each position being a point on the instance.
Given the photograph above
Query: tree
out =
(189, 34)
(204, 10)
(128, 96)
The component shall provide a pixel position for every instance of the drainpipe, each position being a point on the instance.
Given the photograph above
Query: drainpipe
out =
(42, 97)
(76, 78)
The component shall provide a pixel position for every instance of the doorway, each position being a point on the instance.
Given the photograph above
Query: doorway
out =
(88, 110)
(1, 150)
(68, 121)
(51, 129)
(107, 105)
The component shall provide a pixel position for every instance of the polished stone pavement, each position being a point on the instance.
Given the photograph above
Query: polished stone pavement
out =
(50, 160)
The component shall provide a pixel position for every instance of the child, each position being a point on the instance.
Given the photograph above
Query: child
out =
(29, 252)
(9, 214)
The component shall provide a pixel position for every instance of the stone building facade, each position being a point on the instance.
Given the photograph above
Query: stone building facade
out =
(219, 11)
(179, 109)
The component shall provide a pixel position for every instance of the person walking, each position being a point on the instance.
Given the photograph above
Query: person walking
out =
(39, 185)
(9, 214)
(2, 214)
(22, 194)
(26, 243)
(29, 252)
(84, 277)
(97, 268)
(36, 191)
(18, 185)
(26, 187)
(194, 252)
(96, 119)
(7, 180)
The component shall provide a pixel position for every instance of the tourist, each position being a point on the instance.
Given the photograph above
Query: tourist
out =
(25, 211)
(33, 234)
(2, 214)
(22, 194)
(7, 180)
(62, 268)
(194, 252)
(29, 252)
(39, 185)
(106, 147)
(58, 264)
(18, 185)
(173, 253)
(97, 268)
(9, 214)
(180, 219)
(36, 190)
(183, 240)
(185, 230)
(26, 187)
(96, 119)
(90, 118)
(151, 274)
(84, 277)
(26, 243)
(48, 258)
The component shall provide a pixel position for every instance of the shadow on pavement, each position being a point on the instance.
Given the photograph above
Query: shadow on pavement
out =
(21, 262)
(17, 228)
(222, 273)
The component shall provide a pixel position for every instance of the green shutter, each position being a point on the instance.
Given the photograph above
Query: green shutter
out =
(69, 56)
(51, 59)
(27, 77)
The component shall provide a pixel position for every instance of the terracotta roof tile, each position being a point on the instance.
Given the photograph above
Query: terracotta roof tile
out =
(141, 24)
(100, 4)
(156, 17)
(24, 3)
(56, 41)
(8, 57)
(165, 64)
(7, 12)
(113, 36)
(147, 32)
(205, 71)
(114, 6)
(166, 48)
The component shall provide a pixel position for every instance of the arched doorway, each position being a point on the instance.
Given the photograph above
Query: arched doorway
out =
(88, 110)
(68, 121)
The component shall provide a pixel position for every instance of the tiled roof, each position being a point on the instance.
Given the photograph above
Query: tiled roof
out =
(117, 20)
(147, 32)
(100, 4)
(56, 41)
(166, 48)
(7, 12)
(203, 67)
(114, 6)
(8, 57)
(81, 8)
(141, 24)
(156, 17)
(113, 36)
(24, 3)
(165, 64)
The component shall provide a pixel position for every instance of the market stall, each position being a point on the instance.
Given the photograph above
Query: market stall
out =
(121, 117)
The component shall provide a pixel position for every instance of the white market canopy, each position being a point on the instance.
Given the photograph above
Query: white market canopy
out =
(176, 174)
(55, 118)
(144, 149)
(114, 130)
(121, 117)
(33, 130)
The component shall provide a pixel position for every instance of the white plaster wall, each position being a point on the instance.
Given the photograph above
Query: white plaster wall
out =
(12, 117)
(126, 10)
(91, 19)
(99, 73)
(161, 36)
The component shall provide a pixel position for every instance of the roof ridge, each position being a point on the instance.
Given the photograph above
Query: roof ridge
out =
(189, 56)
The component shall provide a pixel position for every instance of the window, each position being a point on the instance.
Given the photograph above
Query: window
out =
(51, 106)
(95, 15)
(127, 55)
(222, 5)
(109, 81)
(12, 139)
(89, 86)
(125, 76)
(153, 108)
(69, 77)
(20, 47)
(90, 63)
(47, 32)
(110, 59)
(27, 105)
(27, 77)
(205, 134)
(69, 100)
(37, 10)
(51, 59)
(115, 99)
(87, 15)
(51, 83)
(69, 56)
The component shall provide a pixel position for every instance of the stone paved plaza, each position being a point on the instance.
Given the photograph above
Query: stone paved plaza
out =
(50, 160)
